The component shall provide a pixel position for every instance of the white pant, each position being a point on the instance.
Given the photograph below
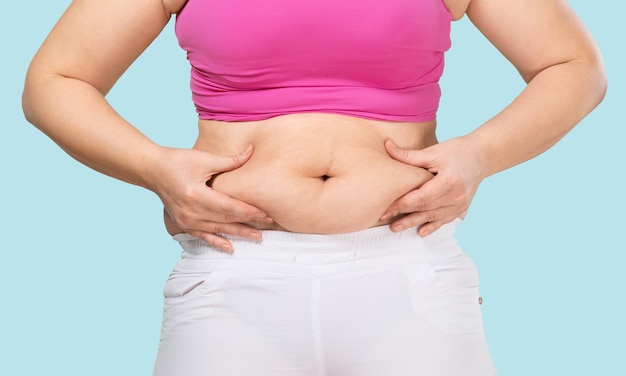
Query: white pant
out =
(369, 303)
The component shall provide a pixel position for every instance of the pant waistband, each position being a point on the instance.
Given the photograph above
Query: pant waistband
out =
(322, 248)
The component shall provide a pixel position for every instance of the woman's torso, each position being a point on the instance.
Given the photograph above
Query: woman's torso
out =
(315, 172)
(300, 82)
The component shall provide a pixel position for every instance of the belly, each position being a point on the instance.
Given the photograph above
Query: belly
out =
(318, 173)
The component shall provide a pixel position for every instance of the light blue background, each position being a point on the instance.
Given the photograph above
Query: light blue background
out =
(84, 257)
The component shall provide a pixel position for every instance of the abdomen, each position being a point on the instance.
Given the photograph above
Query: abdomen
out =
(318, 173)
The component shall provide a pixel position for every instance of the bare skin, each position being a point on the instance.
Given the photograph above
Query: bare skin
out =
(324, 182)
(352, 175)
(553, 52)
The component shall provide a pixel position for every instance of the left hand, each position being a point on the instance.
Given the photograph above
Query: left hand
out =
(458, 172)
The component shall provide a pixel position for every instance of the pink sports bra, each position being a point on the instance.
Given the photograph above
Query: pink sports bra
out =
(255, 59)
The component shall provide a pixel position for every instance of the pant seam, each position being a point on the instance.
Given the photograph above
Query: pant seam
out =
(318, 343)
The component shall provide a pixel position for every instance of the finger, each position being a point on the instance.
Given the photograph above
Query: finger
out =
(412, 157)
(430, 227)
(427, 221)
(427, 197)
(211, 233)
(417, 219)
(213, 240)
(238, 230)
(224, 163)
(232, 210)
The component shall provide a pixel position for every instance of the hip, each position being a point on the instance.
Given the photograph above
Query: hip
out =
(371, 302)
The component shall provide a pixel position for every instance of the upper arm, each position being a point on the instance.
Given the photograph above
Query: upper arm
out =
(534, 34)
(457, 8)
(96, 41)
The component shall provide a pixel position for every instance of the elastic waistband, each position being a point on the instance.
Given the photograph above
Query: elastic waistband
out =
(281, 246)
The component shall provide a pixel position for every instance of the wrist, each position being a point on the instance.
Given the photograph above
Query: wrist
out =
(152, 165)
(479, 150)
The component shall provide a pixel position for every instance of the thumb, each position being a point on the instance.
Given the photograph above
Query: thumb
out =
(224, 163)
(418, 158)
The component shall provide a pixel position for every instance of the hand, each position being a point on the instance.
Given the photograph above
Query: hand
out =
(180, 178)
(444, 198)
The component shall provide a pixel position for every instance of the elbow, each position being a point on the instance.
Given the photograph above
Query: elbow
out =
(29, 107)
(596, 78)
(585, 75)
(27, 104)
(601, 81)
(37, 97)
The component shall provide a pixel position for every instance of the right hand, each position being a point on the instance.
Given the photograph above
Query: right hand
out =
(179, 177)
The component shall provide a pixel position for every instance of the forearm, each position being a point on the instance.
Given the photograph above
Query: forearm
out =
(77, 117)
(554, 101)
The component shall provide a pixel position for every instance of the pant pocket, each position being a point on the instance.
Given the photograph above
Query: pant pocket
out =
(446, 292)
(183, 285)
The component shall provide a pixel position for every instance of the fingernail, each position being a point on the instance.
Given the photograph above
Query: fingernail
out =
(391, 212)
(255, 235)
(424, 233)
(226, 247)
(260, 217)
(397, 228)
